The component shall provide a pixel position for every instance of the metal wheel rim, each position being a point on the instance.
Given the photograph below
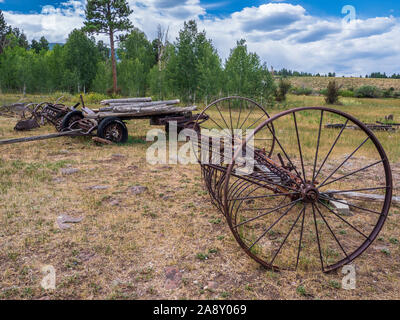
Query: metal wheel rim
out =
(386, 204)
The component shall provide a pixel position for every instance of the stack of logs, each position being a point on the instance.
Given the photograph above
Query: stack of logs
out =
(140, 106)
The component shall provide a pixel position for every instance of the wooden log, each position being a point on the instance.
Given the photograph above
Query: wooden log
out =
(128, 100)
(145, 104)
(133, 108)
(140, 112)
(101, 140)
(364, 196)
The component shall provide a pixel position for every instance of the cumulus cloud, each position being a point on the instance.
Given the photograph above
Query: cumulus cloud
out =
(268, 16)
(284, 35)
(53, 23)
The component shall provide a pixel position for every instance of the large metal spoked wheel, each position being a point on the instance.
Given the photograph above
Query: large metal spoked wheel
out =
(228, 119)
(113, 129)
(292, 213)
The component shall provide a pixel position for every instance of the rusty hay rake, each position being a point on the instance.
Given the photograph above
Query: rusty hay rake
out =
(299, 206)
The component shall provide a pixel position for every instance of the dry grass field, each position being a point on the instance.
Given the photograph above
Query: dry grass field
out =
(129, 246)
(318, 84)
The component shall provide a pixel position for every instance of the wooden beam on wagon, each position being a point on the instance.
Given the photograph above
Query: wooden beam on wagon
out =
(128, 100)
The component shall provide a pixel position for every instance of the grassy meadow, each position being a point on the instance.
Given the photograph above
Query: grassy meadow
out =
(126, 241)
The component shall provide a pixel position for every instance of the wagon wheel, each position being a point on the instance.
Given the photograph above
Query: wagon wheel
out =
(113, 129)
(289, 215)
(28, 112)
(229, 120)
(70, 121)
(38, 113)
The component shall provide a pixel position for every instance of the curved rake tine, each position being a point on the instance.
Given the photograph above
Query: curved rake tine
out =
(266, 196)
(265, 213)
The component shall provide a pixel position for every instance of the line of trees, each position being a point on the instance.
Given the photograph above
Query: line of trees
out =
(189, 68)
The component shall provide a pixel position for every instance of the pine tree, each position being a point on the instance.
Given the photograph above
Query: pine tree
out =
(108, 17)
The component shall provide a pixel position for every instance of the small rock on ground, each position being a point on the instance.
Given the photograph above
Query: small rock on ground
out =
(173, 278)
(98, 188)
(137, 190)
(64, 221)
(69, 171)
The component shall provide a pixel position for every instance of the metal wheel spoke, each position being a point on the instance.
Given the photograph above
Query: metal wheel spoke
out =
(355, 190)
(230, 116)
(299, 145)
(247, 117)
(333, 234)
(358, 148)
(317, 234)
(219, 111)
(331, 149)
(287, 236)
(350, 174)
(271, 226)
(300, 239)
(240, 113)
(352, 205)
(256, 121)
(284, 152)
(318, 142)
(345, 221)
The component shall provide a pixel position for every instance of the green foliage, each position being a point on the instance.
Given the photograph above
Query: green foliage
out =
(346, 93)
(103, 80)
(81, 58)
(246, 76)
(283, 88)
(332, 93)
(301, 290)
(368, 92)
(301, 91)
(107, 16)
(42, 44)
(92, 97)
(137, 58)
(388, 93)
(182, 69)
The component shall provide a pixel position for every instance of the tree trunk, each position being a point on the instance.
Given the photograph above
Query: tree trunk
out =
(113, 62)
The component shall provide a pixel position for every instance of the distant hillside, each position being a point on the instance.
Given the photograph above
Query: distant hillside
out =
(318, 83)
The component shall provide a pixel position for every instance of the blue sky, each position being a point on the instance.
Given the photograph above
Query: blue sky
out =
(306, 35)
(365, 8)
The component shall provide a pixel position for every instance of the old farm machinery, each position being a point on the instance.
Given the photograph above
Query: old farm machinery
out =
(108, 122)
(281, 182)
(284, 211)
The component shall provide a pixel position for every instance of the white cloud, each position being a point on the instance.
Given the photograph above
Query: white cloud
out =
(284, 35)
(53, 23)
